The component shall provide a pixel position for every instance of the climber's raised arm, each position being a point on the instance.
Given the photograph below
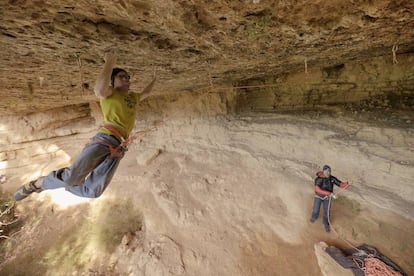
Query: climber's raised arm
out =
(147, 91)
(102, 88)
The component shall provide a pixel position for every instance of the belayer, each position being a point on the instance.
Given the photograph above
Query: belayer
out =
(92, 171)
(324, 185)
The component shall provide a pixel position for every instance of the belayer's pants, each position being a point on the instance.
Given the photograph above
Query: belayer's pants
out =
(317, 206)
(91, 172)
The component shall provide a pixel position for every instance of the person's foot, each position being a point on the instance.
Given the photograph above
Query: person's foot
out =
(312, 220)
(25, 190)
(327, 228)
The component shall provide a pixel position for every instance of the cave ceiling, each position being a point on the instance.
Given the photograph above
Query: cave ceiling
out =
(52, 51)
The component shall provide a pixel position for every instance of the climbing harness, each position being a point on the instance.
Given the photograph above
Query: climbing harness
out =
(321, 197)
(115, 151)
(115, 132)
(119, 151)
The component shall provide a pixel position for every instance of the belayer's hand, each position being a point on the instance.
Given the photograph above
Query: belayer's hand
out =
(344, 185)
(333, 196)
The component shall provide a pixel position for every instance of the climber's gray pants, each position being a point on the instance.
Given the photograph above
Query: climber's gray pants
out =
(91, 172)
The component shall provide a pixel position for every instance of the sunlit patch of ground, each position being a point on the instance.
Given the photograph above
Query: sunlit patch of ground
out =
(62, 199)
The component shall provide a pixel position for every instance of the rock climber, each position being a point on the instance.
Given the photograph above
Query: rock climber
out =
(92, 171)
(324, 184)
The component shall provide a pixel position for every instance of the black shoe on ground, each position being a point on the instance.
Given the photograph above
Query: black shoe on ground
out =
(25, 190)
(312, 220)
(327, 228)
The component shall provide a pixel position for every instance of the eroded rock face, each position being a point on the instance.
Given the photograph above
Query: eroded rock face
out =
(227, 162)
(327, 264)
(227, 195)
(52, 51)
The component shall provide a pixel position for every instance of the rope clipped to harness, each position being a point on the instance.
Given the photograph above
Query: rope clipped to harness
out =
(119, 151)
(127, 141)
(115, 152)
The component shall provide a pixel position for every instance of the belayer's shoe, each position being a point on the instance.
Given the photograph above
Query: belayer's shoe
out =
(25, 190)
(327, 228)
(312, 220)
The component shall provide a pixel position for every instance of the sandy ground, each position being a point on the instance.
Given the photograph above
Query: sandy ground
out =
(224, 196)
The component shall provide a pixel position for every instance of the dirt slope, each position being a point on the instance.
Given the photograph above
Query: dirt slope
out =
(233, 198)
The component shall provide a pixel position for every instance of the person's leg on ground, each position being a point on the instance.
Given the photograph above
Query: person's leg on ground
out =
(326, 206)
(316, 208)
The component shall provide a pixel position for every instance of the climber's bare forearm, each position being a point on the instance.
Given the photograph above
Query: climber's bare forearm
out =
(102, 88)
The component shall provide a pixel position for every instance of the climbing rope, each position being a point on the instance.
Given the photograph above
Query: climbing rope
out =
(79, 61)
(140, 134)
(306, 65)
(376, 267)
(216, 89)
(394, 54)
(333, 228)
(370, 265)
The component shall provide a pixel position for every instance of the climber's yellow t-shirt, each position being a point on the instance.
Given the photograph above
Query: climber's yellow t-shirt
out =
(119, 110)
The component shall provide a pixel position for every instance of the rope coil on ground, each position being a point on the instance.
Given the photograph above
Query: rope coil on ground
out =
(370, 265)
(376, 267)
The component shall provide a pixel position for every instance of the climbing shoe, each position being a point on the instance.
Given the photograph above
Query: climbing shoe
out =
(25, 190)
